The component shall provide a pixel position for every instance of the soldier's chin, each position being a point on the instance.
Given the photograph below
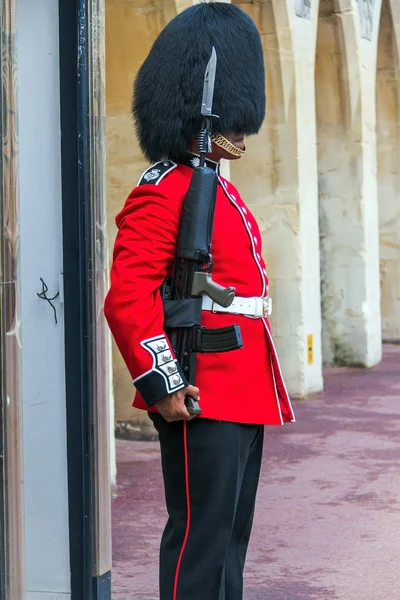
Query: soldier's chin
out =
(241, 146)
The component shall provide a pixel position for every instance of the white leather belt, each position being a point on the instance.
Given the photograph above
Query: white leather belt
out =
(250, 307)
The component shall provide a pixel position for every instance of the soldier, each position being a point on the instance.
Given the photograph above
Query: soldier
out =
(210, 463)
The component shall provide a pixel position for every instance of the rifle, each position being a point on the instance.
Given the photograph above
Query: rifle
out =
(191, 277)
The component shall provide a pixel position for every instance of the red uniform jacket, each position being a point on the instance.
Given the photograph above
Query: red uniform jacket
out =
(245, 385)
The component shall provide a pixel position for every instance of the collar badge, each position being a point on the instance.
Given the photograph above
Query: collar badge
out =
(153, 174)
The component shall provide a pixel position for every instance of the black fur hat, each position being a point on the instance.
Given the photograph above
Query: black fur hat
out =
(169, 86)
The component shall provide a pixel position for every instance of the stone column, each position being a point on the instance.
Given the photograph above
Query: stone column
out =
(368, 55)
(345, 85)
(388, 151)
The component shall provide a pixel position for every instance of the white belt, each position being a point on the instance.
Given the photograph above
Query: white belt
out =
(250, 307)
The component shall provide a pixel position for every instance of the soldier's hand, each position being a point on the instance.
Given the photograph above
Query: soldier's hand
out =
(173, 407)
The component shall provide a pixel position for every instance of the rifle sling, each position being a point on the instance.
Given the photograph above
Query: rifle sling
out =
(182, 313)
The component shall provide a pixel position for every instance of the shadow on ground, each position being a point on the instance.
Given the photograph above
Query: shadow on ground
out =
(289, 590)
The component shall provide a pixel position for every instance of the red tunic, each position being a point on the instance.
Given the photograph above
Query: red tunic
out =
(245, 385)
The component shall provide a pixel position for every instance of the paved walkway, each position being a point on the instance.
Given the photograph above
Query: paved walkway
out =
(327, 523)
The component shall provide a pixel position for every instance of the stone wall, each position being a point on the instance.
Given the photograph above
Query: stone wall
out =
(131, 28)
(311, 176)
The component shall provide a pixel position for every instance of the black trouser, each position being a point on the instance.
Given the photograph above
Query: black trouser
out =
(211, 471)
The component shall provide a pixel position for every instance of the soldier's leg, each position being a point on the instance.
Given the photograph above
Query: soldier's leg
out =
(203, 470)
(236, 555)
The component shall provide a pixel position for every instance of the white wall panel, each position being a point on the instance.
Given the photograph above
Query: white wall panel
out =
(45, 457)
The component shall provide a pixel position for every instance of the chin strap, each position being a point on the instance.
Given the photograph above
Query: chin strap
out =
(225, 144)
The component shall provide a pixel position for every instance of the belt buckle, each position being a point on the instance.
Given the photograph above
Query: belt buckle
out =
(267, 307)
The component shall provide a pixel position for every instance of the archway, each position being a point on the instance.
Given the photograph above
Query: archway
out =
(277, 138)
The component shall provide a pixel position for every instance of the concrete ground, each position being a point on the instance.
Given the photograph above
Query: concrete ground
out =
(327, 523)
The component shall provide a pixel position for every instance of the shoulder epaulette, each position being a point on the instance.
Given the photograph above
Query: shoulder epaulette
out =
(157, 172)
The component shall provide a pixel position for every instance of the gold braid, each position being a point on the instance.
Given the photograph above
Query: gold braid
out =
(225, 144)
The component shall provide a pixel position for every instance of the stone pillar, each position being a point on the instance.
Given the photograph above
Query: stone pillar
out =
(305, 29)
(368, 55)
(388, 153)
(345, 105)
(277, 178)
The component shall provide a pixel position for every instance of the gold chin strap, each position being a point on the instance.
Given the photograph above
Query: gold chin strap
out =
(225, 144)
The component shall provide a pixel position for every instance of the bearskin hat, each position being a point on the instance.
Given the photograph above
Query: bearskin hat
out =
(169, 86)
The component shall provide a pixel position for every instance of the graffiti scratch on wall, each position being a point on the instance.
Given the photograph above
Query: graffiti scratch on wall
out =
(366, 10)
(303, 8)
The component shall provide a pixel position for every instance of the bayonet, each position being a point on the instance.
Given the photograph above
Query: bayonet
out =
(204, 141)
(208, 88)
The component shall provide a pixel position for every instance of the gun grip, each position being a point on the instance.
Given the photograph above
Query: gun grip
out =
(193, 407)
(203, 284)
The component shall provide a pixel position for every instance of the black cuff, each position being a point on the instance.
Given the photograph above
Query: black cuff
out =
(154, 385)
(165, 377)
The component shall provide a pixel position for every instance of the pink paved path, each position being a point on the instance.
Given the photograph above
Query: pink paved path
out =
(327, 523)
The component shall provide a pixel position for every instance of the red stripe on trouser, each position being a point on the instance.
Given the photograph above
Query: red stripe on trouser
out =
(178, 566)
